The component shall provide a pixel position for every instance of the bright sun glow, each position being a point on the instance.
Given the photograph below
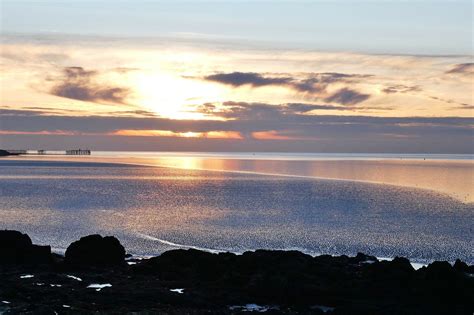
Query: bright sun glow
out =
(173, 96)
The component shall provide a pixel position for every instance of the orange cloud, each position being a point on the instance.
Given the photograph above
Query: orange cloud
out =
(269, 135)
(281, 135)
(190, 134)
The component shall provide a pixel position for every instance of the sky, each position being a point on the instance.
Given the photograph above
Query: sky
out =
(282, 76)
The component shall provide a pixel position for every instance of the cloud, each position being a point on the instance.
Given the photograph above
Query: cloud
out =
(131, 113)
(13, 112)
(401, 88)
(347, 96)
(216, 134)
(260, 111)
(42, 132)
(260, 128)
(247, 78)
(462, 68)
(313, 83)
(247, 117)
(38, 111)
(78, 84)
(450, 101)
(31, 111)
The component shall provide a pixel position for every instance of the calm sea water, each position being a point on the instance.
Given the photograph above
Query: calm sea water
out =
(152, 209)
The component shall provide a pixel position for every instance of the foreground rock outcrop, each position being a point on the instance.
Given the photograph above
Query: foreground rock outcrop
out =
(196, 282)
(17, 248)
(95, 250)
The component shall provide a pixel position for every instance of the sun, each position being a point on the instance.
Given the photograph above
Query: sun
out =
(173, 96)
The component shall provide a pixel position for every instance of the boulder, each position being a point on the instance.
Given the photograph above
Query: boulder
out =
(463, 267)
(95, 250)
(17, 248)
(397, 269)
(440, 271)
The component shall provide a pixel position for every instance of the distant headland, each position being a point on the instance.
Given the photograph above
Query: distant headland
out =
(45, 152)
(6, 153)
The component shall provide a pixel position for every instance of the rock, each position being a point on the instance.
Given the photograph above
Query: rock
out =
(460, 266)
(14, 246)
(17, 248)
(439, 270)
(363, 258)
(399, 269)
(440, 283)
(95, 250)
(285, 282)
(463, 267)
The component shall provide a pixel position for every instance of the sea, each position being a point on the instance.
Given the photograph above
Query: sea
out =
(387, 205)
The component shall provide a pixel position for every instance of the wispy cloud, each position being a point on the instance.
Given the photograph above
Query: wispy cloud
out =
(263, 111)
(450, 101)
(463, 68)
(347, 96)
(78, 84)
(401, 88)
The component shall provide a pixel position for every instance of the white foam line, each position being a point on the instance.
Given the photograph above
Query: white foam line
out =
(165, 242)
(74, 277)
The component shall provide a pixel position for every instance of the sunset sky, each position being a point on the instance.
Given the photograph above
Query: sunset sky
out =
(295, 76)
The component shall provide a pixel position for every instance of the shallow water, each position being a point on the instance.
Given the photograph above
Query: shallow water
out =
(153, 209)
(447, 174)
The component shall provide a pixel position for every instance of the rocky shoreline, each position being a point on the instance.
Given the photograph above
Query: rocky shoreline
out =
(96, 276)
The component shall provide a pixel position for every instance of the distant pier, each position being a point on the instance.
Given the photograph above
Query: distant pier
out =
(78, 152)
(50, 152)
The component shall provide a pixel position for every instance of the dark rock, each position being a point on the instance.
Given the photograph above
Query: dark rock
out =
(17, 248)
(463, 267)
(460, 266)
(439, 270)
(95, 250)
(286, 282)
(399, 269)
(440, 283)
(362, 258)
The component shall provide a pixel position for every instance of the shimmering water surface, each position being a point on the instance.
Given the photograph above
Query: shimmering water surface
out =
(153, 209)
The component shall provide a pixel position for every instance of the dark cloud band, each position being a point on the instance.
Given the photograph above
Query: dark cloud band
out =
(315, 132)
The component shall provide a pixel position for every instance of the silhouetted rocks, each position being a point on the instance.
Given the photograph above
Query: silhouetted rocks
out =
(17, 248)
(463, 267)
(95, 250)
(196, 282)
